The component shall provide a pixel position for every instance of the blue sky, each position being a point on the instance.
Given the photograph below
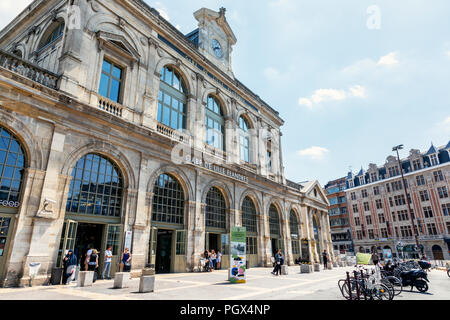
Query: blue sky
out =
(347, 92)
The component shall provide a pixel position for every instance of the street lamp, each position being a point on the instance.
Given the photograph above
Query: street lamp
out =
(411, 214)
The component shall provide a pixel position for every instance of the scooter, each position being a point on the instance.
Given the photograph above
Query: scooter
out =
(415, 278)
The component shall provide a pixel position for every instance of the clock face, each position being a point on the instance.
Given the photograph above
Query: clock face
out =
(217, 48)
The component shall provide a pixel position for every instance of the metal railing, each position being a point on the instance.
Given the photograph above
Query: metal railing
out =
(28, 70)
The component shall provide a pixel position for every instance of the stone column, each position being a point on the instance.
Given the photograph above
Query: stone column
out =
(150, 103)
(191, 245)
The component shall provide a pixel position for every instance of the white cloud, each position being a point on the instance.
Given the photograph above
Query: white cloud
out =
(448, 53)
(271, 73)
(315, 153)
(324, 95)
(388, 60)
(162, 10)
(447, 121)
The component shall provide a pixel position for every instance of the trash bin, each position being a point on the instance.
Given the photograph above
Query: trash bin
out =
(56, 277)
(33, 270)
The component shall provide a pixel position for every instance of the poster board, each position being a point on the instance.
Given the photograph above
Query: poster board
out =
(238, 255)
(363, 258)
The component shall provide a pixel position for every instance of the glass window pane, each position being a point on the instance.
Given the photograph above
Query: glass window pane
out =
(104, 83)
(114, 91)
(106, 66)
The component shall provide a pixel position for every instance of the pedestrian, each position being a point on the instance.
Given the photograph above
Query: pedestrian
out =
(325, 259)
(87, 256)
(107, 266)
(70, 265)
(375, 258)
(93, 263)
(125, 265)
(214, 259)
(219, 259)
(277, 268)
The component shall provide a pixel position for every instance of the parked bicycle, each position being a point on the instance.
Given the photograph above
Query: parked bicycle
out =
(363, 285)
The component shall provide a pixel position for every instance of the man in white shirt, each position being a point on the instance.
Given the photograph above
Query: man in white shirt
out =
(107, 267)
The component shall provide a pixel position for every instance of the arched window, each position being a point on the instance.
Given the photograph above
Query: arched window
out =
(12, 165)
(215, 124)
(249, 216)
(172, 99)
(96, 187)
(274, 221)
(168, 200)
(56, 32)
(293, 223)
(216, 209)
(244, 139)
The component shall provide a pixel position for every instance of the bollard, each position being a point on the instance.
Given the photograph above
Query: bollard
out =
(364, 291)
(349, 285)
(358, 297)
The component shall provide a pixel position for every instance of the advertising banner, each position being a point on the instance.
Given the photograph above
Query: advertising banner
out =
(387, 253)
(238, 256)
(363, 258)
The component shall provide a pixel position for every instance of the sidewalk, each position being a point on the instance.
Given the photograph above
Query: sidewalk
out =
(261, 285)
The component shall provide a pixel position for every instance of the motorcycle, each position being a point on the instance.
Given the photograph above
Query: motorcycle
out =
(425, 265)
(415, 278)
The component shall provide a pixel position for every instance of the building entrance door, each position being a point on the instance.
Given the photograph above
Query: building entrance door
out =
(89, 236)
(164, 251)
(437, 253)
(6, 223)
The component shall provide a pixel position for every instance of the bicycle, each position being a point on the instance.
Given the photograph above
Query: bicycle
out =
(369, 287)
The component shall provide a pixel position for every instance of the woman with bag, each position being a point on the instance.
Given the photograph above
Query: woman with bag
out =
(70, 265)
(125, 265)
(93, 263)
(277, 269)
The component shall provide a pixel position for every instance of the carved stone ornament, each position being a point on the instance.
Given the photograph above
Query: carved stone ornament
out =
(95, 6)
(144, 41)
(47, 210)
(160, 52)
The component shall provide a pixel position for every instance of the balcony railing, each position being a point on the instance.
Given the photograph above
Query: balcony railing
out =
(215, 152)
(173, 134)
(28, 70)
(110, 106)
(294, 185)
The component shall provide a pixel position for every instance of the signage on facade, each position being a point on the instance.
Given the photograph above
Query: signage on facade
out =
(217, 169)
(128, 236)
(10, 204)
(238, 251)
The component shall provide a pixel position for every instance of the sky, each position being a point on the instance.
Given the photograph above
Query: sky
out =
(351, 78)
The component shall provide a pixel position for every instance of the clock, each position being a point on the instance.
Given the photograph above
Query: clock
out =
(217, 48)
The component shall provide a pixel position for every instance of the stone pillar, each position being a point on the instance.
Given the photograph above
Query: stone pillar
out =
(150, 97)
(191, 235)
(198, 114)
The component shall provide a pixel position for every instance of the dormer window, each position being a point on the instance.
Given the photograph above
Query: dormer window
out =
(373, 177)
(361, 180)
(417, 165)
(434, 160)
(393, 171)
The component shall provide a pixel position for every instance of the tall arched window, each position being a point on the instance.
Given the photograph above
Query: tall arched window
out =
(168, 200)
(96, 187)
(216, 209)
(214, 124)
(244, 139)
(172, 99)
(55, 32)
(274, 221)
(249, 216)
(12, 165)
(293, 223)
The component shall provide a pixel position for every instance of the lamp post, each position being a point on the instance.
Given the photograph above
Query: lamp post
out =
(411, 214)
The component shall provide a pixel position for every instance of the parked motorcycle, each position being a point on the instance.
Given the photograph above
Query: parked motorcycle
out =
(425, 265)
(415, 278)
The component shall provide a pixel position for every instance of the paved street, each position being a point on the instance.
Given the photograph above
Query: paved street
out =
(261, 285)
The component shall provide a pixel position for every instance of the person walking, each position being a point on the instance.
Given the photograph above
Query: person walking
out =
(107, 267)
(375, 258)
(277, 269)
(219, 259)
(93, 263)
(125, 265)
(87, 256)
(214, 259)
(325, 259)
(70, 265)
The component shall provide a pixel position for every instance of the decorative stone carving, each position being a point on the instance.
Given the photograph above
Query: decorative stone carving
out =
(47, 210)
(95, 6)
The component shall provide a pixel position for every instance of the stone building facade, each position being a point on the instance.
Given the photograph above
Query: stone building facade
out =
(119, 130)
(341, 231)
(379, 212)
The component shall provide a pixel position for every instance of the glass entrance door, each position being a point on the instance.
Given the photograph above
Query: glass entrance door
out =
(164, 251)
(113, 239)
(5, 230)
(68, 240)
(152, 247)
